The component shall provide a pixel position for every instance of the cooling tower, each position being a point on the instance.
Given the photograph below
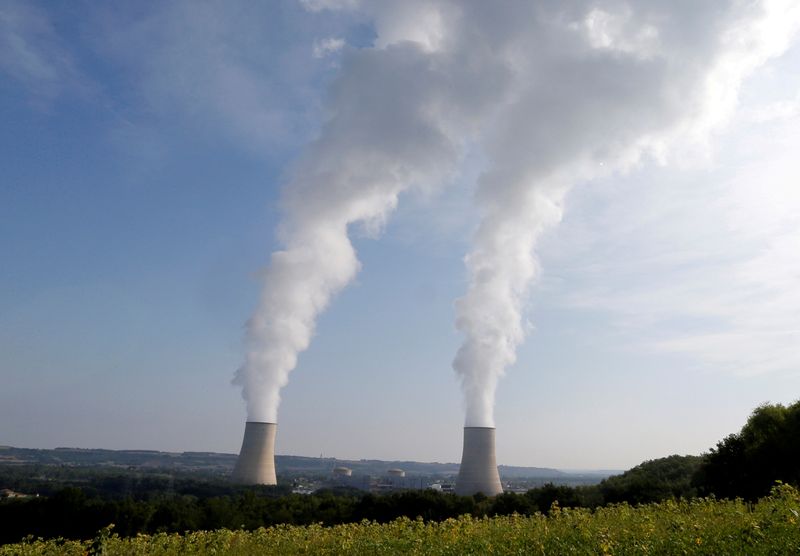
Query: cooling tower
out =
(256, 463)
(478, 471)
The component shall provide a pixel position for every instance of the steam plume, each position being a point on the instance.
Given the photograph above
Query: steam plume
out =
(598, 85)
(553, 93)
(394, 125)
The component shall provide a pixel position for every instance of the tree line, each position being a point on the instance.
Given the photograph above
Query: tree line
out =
(746, 464)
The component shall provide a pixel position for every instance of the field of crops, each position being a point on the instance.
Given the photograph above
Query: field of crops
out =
(685, 527)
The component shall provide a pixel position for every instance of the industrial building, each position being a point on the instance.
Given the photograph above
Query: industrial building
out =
(478, 470)
(256, 462)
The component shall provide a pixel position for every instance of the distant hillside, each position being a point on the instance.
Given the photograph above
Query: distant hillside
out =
(223, 463)
(516, 472)
(653, 481)
(190, 461)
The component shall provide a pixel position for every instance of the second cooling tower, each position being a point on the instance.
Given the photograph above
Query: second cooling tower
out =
(478, 471)
(256, 463)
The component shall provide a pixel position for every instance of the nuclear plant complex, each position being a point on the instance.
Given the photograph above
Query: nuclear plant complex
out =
(478, 470)
(256, 462)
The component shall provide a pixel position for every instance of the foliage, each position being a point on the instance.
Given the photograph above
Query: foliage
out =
(746, 464)
(700, 526)
(71, 513)
(149, 505)
(653, 481)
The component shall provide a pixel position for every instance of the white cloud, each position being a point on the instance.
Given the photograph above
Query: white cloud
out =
(701, 262)
(779, 110)
(609, 31)
(327, 46)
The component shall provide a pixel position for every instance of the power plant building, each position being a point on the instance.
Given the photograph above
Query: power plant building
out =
(342, 471)
(256, 462)
(478, 470)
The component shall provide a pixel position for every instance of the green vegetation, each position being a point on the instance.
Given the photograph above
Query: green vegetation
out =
(72, 514)
(747, 464)
(701, 526)
(744, 465)
(78, 513)
(653, 481)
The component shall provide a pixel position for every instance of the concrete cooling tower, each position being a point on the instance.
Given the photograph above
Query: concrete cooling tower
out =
(256, 463)
(478, 471)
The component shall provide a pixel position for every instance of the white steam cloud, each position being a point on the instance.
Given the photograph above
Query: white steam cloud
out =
(553, 93)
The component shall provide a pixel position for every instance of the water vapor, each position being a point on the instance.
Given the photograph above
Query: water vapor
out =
(554, 94)
(393, 126)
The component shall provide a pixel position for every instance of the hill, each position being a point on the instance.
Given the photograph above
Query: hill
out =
(222, 464)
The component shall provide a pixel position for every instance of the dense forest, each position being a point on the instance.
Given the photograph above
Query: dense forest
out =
(746, 465)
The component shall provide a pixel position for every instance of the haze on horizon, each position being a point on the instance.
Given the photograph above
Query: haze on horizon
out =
(146, 147)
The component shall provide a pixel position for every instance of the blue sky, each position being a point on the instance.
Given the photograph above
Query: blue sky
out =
(143, 149)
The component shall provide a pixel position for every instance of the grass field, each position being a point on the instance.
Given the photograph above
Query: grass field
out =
(706, 526)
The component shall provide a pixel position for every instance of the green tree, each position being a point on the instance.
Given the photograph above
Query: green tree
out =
(748, 463)
(653, 481)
